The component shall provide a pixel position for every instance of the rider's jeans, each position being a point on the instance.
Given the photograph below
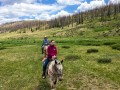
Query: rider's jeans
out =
(45, 65)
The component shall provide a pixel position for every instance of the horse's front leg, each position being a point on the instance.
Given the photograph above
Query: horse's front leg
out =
(55, 81)
(52, 83)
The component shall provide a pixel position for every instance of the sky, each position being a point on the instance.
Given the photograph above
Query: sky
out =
(18, 10)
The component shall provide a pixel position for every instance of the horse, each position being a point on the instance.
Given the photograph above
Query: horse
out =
(55, 72)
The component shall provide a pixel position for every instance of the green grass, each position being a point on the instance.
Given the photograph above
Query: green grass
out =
(101, 28)
(18, 65)
(21, 66)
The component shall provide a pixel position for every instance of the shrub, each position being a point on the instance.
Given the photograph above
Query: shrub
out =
(23, 31)
(116, 46)
(72, 57)
(92, 50)
(66, 47)
(104, 60)
(32, 30)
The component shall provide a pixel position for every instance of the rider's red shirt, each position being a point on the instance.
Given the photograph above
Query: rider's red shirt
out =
(51, 51)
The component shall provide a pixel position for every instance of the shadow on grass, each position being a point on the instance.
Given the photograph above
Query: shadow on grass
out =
(43, 85)
(66, 47)
(2, 47)
(72, 57)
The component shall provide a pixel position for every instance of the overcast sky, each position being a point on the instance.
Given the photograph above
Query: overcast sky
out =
(17, 10)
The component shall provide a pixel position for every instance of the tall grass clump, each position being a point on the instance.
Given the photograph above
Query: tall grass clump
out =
(116, 46)
(104, 60)
(92, 50)
(66, 47)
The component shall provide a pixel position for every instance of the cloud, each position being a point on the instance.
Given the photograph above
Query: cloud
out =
(88, 6)
(43, 17)
(60, 14)
(69, 2)
(34, 11)
(7, 20)
(48, 17)
(17, 1)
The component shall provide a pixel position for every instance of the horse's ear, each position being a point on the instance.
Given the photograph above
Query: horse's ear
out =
(55, 62)
(61, 61)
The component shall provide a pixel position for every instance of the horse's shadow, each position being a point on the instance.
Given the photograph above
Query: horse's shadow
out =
(43, 85)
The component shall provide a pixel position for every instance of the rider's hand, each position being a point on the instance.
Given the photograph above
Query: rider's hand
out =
(53, 57)
(42, 61)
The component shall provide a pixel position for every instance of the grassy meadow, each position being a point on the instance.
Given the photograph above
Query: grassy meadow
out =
(21, 66)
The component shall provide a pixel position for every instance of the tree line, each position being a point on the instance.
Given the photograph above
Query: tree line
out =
(103, 14)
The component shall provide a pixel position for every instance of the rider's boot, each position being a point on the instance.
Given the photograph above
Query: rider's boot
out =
(43, 75)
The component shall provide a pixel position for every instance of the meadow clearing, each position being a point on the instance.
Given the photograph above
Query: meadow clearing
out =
(91, 61)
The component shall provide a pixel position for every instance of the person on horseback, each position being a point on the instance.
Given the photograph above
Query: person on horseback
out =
(51, 55)
(45, 42)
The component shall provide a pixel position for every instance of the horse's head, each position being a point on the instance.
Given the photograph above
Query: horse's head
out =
(59, 69)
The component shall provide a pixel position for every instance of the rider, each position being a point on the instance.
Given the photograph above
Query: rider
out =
(51, 55)
(45, 41)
